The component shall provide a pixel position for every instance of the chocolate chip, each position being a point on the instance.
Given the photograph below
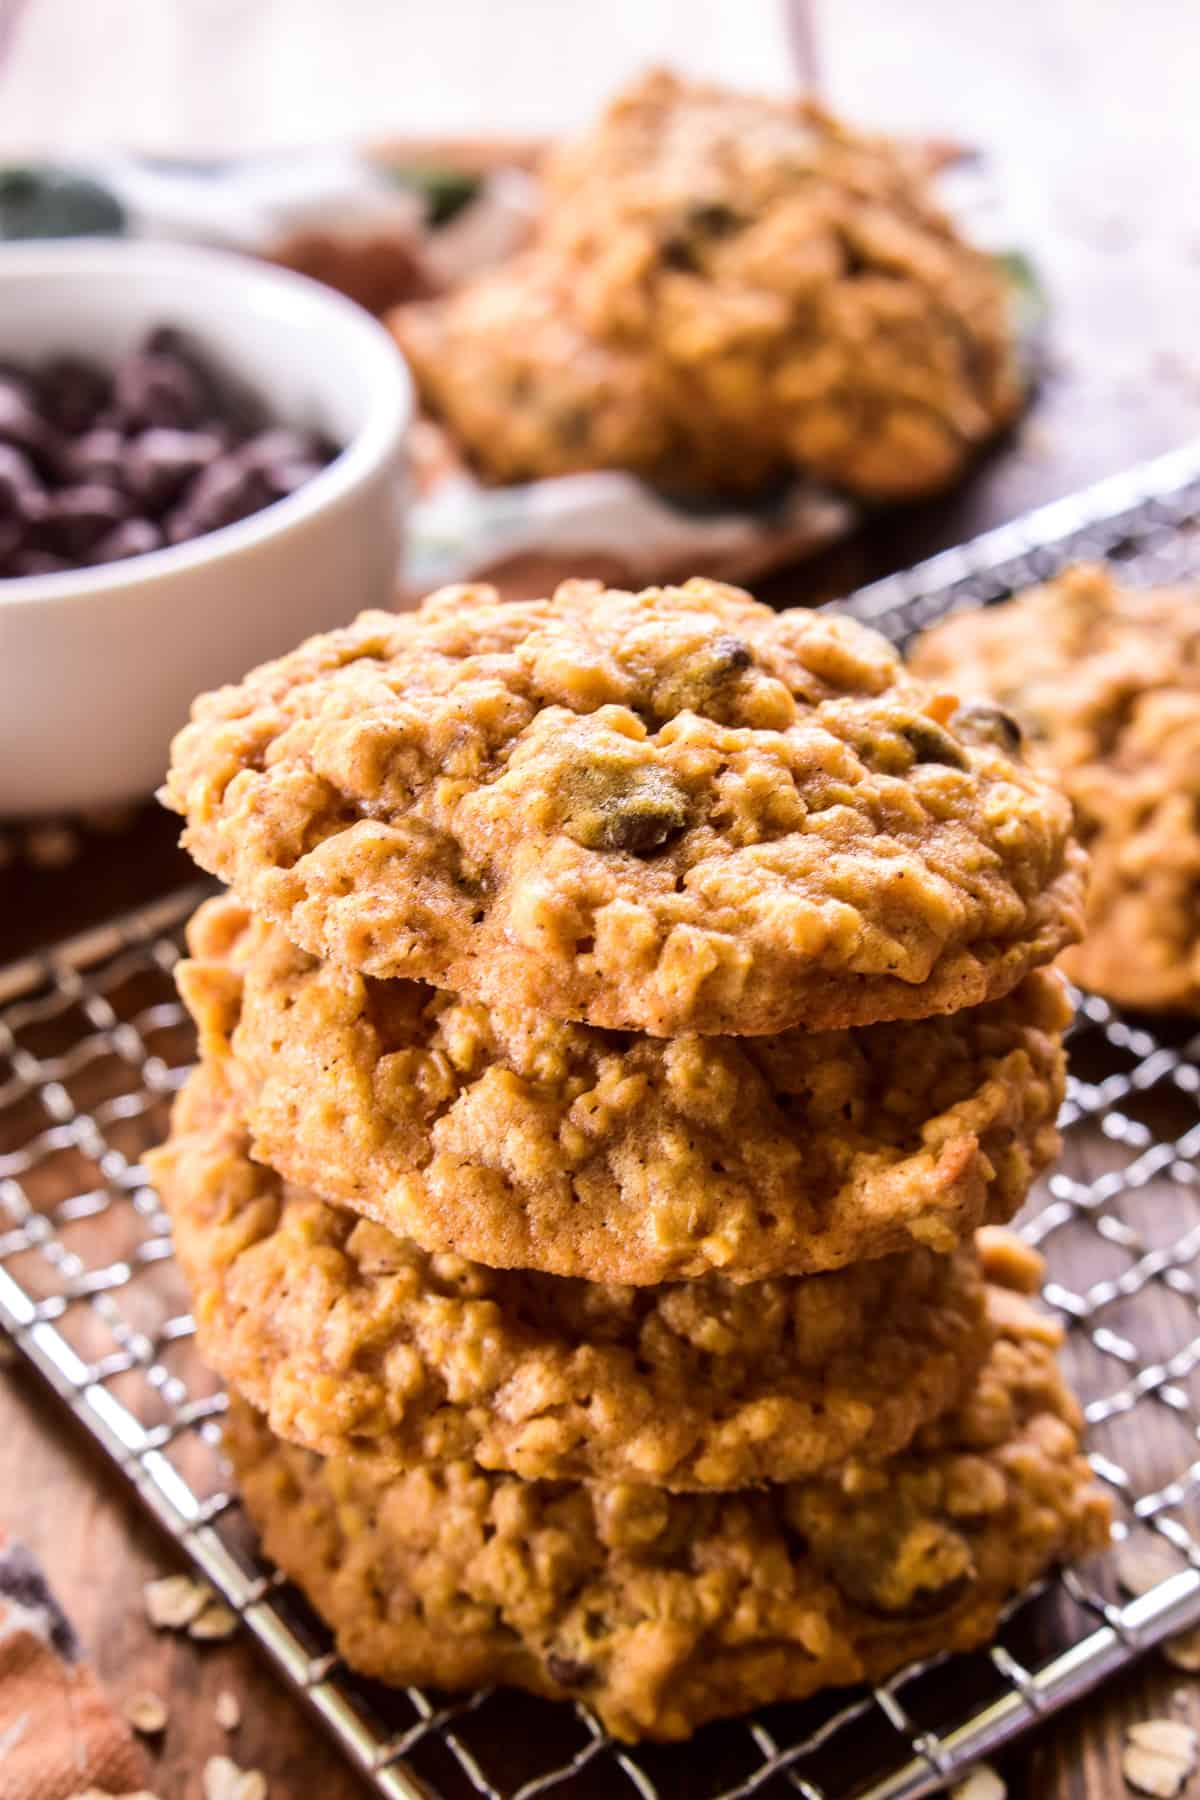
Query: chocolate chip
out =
(37, 562)
(99, 455)
(223, 494)
(78, 517)
(698, 680)
(159, 390)
(285, 478)
(73, 393)
(980, 723)
(931, 743)
(132, 537)
(21, 425)
(21, 492)
(712, 219)
(900, 1568)
(97, 466)
(281, 445)
(611, 807)
(160, 462)
(568, 1671)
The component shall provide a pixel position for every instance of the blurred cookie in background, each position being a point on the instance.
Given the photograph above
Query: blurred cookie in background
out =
(1105, 682)
(787, 291)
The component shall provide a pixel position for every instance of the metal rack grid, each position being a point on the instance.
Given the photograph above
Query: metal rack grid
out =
(92, 1046)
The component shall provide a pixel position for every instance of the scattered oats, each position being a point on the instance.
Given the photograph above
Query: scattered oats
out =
(223, 1780)
(229, 1713)
(51, 846)
(982, 1783)
(1144, 1562)
(147, 1714)
(1159, 1756)
(216, 1621)
(1183, 1652)
(174, 1601)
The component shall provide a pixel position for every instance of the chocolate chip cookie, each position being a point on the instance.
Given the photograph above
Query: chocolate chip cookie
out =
(673, 811)
(355, 1342)
(501, 1135)
(1106, 682)
(660, 1610)
(763, 287)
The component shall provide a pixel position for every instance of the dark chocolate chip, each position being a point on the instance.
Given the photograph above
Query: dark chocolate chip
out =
(22, 425)
(160, 462)
(280, 445)
(900, 1568)
(285, 478)
(132, 537)
(99, 455)
(980, 723)
(712, 219)
(932, 743)
(160, 390)
(224, 493)
(621, 808)
(73, 393)
(38, 562)
(78, 517)
(21, 492)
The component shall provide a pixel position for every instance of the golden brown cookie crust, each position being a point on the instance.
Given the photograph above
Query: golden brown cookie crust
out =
(664, 1610)
(354, 1342)
(504, 1137)
(671, 811)
(1106, 681)
(763, 288)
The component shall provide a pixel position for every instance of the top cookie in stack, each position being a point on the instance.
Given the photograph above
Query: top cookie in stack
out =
(668, 812)
(628, 1009)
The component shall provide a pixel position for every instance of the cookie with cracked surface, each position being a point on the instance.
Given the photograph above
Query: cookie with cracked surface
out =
(354, 1342)
(768, 288)
(508, 1138)
(672, 811)
(1105, 680)
(662, 1611)
(527, 392)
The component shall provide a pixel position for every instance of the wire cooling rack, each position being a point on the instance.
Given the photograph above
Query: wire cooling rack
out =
(93, 1044)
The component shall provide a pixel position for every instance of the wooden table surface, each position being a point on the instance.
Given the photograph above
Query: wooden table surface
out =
(1093, 127)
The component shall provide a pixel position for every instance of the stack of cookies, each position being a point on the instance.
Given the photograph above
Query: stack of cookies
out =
(627, 1010)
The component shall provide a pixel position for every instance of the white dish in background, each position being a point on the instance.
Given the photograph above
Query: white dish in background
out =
(98, 666)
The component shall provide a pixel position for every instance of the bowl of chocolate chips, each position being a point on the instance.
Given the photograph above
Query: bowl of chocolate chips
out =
(201, 458)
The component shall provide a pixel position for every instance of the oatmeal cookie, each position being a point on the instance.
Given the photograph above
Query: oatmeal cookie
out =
(664, 1610)
(1106, 681)
(671, 811)
(503, 1136)
(788, 289)
(355, 1342)
(519, 383)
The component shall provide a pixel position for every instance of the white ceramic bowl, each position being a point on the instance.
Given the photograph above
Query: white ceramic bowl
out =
(98, 666)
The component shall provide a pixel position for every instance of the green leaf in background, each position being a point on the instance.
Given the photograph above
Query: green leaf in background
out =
(45, 202)
(445, 191)
(1030, 309)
